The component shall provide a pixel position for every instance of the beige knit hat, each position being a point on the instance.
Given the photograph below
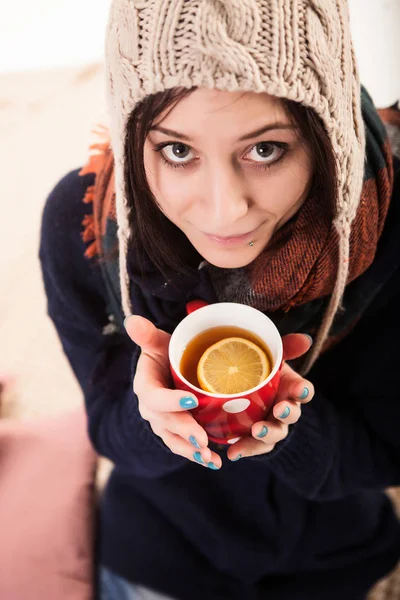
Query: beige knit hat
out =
(295, 49)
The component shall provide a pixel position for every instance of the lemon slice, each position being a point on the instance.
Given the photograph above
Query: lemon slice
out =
(232, 366)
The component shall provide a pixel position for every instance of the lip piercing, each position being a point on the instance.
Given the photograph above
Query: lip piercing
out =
(251, 244)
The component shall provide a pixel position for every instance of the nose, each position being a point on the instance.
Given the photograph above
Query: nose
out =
(225, 199)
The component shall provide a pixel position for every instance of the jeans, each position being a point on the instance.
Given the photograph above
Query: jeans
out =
(113, 587)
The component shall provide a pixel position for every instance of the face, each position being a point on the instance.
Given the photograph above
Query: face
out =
(229, 169)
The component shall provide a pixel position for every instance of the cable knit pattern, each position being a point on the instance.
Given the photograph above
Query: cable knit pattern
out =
(295, 49)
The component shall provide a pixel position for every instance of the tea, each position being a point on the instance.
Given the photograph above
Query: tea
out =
(198, 345)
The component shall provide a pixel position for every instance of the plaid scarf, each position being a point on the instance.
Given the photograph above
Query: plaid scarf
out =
(303, 268)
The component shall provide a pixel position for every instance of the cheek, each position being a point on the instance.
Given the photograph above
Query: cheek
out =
(285, 189)
(174, 194)
(170, 187)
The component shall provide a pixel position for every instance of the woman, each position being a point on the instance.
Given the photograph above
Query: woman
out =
(246, 165)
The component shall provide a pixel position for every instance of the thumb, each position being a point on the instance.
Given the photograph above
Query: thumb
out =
(295, 345)
(143, 333)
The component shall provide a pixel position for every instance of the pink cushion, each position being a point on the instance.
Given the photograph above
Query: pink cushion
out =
(47, 470)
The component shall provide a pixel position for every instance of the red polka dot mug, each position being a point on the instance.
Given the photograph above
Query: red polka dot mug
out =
(227, 417)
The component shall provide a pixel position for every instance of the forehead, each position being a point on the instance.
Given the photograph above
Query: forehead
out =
(206, 110)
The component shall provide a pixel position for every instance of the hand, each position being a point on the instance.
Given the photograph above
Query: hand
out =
(166, 410)
(292, 393)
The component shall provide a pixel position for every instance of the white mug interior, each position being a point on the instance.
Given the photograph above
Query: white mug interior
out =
(219, 315)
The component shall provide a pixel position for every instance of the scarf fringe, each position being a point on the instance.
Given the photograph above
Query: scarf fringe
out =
(89, 235)
(94, 166)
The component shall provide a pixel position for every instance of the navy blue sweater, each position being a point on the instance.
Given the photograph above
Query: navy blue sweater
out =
(309, 520)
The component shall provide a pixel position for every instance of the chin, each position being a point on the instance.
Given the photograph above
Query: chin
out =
(230, 258)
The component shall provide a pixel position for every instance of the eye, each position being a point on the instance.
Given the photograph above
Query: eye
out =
(266, 152)
(177, 153)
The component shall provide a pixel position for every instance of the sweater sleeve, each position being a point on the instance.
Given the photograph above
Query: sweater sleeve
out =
(347, 438)
(104, 364)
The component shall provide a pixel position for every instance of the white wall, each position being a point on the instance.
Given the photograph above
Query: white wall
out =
(376, 33)
(41, 34)
(52, 33)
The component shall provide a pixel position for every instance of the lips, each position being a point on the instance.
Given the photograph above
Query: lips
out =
(232, 240)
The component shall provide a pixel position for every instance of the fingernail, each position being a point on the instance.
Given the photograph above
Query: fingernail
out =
(285, 413)
(198, 458)
(263, 432)
(188, 402)
(125, 320)
(213, 467)
(194, 442)
(239, 456)
(304, 394)
(309, 337)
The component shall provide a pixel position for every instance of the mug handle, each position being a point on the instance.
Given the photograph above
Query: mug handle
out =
(194, 305)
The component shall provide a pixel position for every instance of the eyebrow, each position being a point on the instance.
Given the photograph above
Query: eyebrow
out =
(248, 136)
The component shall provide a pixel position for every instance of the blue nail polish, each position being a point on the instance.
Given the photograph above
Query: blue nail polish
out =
(304, 394)
(188, 402)
(263, 432)
(213, 467)
(198, 458)
(309, 337)
(239, 456)
(285, 413)
(125, 320)
(194, 442)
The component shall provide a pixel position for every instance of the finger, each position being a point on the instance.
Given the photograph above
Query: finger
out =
(287, 412)
(295, 345)
(184, 425)
(302, 391)
(159, 398)
(151, 366)
(265, 432)
(147, 336)
(181, 447)
(248, 447)
(197, 437)
(294, 386)
(150, 385)
(152, 370)
(269, 432)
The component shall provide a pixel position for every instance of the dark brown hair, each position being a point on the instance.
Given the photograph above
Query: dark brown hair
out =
(152, 232)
